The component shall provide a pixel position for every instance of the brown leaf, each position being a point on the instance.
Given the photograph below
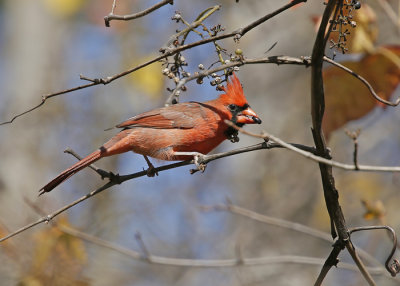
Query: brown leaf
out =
(346, 98)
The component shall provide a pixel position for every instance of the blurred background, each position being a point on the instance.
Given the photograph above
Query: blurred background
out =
(45, 45)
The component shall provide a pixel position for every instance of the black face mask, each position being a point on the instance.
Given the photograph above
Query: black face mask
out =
(231, 133)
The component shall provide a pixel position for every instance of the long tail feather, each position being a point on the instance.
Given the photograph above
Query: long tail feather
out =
(70, 171)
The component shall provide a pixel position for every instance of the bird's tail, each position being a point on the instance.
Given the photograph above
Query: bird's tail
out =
(96, 155)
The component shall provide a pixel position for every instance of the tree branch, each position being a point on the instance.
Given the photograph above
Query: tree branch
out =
(234, 209)
(185, 262)
(279, 60)
(393, 268)
(112, 16)
(364, 81)
(338, 224)
(310, 154)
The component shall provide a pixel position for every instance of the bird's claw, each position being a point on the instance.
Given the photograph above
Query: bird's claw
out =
(151, 171)
(199, 161)
(115, 178)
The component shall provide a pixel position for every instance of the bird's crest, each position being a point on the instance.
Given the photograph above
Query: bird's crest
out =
(233, 92)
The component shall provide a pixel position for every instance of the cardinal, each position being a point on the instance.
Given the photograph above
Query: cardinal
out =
(178, 132)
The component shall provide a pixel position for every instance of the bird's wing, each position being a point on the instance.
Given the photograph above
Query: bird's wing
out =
(178, 116)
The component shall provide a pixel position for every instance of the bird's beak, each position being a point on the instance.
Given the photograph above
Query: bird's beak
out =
(248, 116)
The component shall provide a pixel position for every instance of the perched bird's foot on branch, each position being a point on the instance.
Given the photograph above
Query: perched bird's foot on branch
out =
(151, 171)
(199, 161)
(115, 178)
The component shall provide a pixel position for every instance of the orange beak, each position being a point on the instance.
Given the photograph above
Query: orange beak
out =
(248, 116)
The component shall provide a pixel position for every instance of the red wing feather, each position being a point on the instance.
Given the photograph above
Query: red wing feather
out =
(178, 116)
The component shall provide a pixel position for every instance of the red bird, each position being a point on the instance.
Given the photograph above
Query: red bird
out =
(176, 132)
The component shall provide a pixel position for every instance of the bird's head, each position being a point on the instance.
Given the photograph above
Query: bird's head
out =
(236, 103)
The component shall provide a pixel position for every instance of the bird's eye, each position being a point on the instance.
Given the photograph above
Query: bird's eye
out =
(232, 107)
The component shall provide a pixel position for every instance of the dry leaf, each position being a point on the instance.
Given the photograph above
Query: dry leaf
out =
(346, 98)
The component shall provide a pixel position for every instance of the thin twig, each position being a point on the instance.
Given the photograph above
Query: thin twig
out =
(354, 136)
(361, 266)
(393, 269)
(234, 209)
(309, 155)
(112, 16)
(103, 174)
(190, 27)
(242, 31)
(332, 260)
(364, 81)
(44, 99)
(279, 60)
(185, 262)
(229, 207)
(140, 241)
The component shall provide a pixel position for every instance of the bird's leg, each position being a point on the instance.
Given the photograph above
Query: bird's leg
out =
(198, 160)
(151, 171)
